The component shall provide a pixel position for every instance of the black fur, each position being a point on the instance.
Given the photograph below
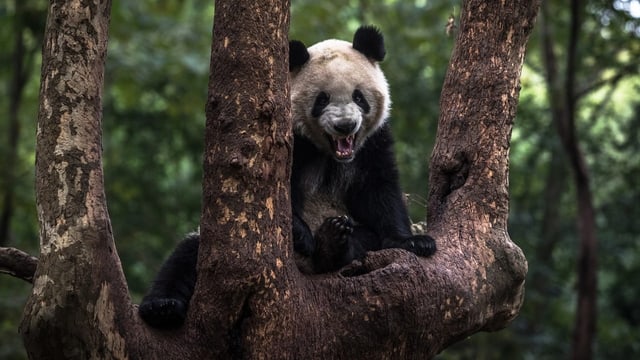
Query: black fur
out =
(378, 217)
(369, 41)
(298, 54)
(361, 101)
(367, 187)
(377, 220)
(322, 100)
(165, 306)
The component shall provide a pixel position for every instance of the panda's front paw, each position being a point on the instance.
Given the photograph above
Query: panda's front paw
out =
(421, 245)
(163, 313)
(336, 231)
(333, 244)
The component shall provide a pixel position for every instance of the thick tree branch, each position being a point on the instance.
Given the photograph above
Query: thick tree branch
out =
(17, 263)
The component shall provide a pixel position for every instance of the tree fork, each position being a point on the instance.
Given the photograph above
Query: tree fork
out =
(407, 306)
(250, 300)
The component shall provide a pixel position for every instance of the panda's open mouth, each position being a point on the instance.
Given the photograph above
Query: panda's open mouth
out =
(343, 146)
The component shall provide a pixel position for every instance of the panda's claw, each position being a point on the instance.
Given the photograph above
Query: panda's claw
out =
(163, 313)
(421, 245)
(341, 227)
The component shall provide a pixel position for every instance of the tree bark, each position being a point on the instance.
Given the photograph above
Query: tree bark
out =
(468, 199)
(17, 263)
(79, 299)
(250, 300)
(245, 243)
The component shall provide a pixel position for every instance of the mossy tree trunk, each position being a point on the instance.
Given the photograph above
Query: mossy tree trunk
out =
(250, 299)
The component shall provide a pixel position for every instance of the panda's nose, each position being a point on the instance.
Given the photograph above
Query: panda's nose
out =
(344, 127)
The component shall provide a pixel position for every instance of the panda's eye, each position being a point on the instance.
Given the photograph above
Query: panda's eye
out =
(359, 99)
(322, 100)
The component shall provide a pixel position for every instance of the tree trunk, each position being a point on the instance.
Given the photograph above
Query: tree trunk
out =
(246, 221)
(468, 199)
(79, 297)
(563, 98)
(586, 313)
(250, 300)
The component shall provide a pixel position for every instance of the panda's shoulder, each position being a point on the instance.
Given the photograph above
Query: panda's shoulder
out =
(381, 141)
(377, 152)
(304, 149)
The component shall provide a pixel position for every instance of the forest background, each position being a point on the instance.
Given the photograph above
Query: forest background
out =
(156, 83)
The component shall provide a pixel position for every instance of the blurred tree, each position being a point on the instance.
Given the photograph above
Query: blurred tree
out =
(24, 32)
(155, 89)
(21, 29)
(601, 76)
(565, 91)
(563, 101)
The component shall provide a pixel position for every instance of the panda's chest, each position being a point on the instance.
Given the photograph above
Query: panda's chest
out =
(325, 186)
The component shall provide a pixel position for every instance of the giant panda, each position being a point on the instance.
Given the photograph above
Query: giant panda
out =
(345, 194)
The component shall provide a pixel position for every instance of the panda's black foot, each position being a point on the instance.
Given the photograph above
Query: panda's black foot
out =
(421, 245)
(163, 313)
(333, 244)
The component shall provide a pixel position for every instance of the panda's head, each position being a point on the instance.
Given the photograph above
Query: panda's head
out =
(339, 95)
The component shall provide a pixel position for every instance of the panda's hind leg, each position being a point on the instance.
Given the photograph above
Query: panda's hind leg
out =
(166, 304)
(163, 313)
(421, 245)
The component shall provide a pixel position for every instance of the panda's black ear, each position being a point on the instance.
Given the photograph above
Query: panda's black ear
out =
(298, 54)
(369, 41)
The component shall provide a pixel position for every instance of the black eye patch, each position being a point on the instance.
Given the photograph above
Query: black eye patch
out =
(322, 100)
(360, 100)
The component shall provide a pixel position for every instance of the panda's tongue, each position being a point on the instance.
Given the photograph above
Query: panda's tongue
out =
(344, 146)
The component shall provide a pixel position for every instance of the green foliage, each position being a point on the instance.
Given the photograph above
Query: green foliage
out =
(156, 85)
(156, 79)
